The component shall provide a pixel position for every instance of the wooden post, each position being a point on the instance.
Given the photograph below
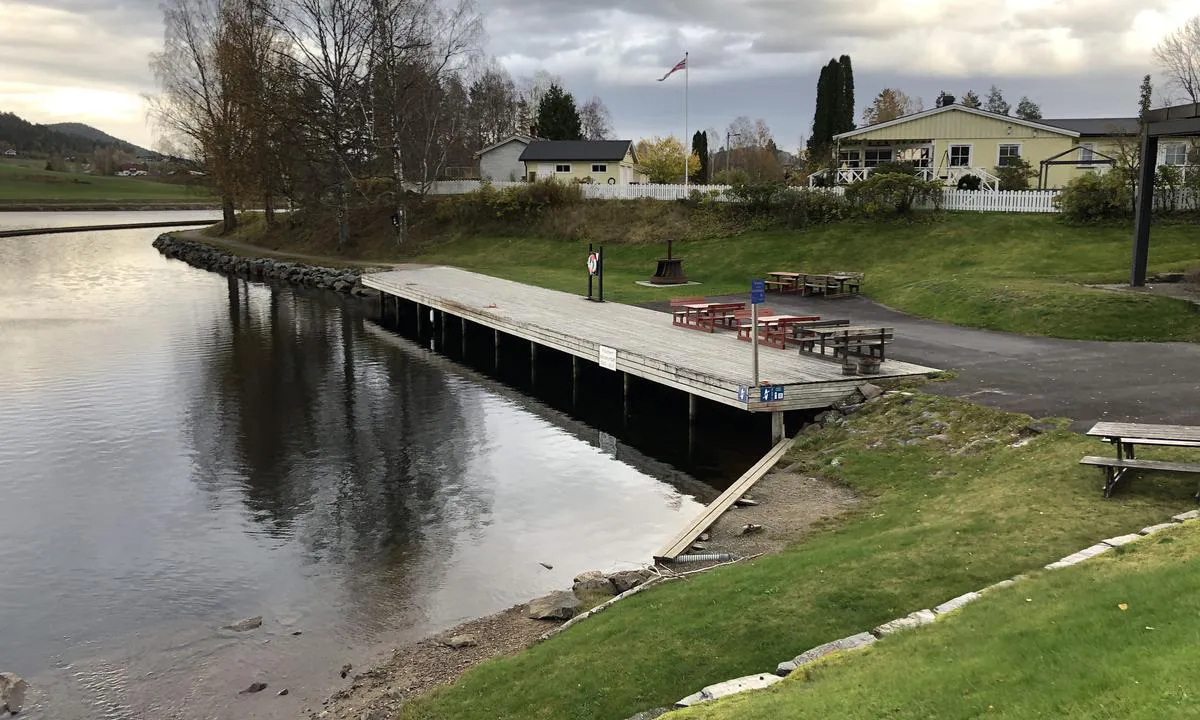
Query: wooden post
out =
(691, 424)
(442, 318)
(574, 380)
(625, 403)
(418, 305)
(497, 363)
(532, 362)
(1143, 209)
(777, 428)
(463, 322)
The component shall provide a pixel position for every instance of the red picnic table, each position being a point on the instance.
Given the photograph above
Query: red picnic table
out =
(706, 316)
(774, 329)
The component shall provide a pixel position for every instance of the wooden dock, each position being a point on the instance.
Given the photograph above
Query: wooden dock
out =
(637, 341)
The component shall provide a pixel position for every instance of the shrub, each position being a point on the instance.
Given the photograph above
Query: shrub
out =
(755, 197)
(1093, 198)
(1168, 179)
(797, 207)
(896, 168)
(893, 195)
(970, 182)
(1015, 175)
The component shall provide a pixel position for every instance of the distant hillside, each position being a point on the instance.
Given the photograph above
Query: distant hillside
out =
(99, 137)
(64, 138)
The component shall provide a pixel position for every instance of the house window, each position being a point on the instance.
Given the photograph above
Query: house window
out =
(562, 168)
(1087, 153)
(960, 156)
(1175, 154)
(599, 168)
(872, 157)
(849, 158)
(1009, 154)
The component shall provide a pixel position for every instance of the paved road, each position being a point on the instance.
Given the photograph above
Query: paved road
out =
(1084, 380)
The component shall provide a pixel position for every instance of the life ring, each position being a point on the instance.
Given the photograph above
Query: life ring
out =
(612, 181)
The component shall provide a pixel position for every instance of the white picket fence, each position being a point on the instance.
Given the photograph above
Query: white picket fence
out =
(1011, 201)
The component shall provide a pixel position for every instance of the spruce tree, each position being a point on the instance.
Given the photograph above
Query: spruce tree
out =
(1145, 98)
(557, 118)
(822, 127)
(971, 99)
(845, 99)
(700, 147)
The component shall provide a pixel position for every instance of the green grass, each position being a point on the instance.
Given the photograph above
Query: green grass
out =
(941, 519)
(29, 185)
(1058, 645)
(1017, 273)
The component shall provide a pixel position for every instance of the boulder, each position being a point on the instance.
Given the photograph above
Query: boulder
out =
(627, 580)
(458, 642)
(12, 692)
(853, 642)
(1041, 427)
(245, 625)
(558, 605)
(869, 391)
(594, 581)
(254, 688)
(650, 714)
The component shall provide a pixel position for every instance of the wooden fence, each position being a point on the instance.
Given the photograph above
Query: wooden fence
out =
(1015, 201)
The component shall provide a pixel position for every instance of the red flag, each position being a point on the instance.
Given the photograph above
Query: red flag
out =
(681, 65)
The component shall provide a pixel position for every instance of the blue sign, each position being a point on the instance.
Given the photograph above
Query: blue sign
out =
(743, 394)
(758, 292)
(770, 393)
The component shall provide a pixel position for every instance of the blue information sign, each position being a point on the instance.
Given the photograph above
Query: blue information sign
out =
(770, 393)
(758, 292)
(743, 394)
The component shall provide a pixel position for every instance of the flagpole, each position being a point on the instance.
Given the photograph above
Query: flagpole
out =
(687, 152)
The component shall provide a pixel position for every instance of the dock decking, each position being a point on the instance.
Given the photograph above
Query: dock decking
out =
(643, 342)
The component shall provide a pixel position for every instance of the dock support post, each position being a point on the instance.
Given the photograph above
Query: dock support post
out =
(418, 306)
(497, 363)
(574, 380)
(463, 348)
(532, 362)
(625, 393)
(777, 431)
(691, 425)
(442, 318)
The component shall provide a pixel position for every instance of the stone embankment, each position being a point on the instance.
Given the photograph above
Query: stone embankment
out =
(341, 280)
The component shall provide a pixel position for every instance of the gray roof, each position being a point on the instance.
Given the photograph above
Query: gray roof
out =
(1097, 126)
(575, 150)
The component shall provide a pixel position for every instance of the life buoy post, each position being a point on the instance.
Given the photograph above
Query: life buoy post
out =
(595, 270)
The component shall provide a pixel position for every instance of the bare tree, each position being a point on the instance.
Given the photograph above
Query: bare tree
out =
(1178, 56)
(493, 105)
(596, 120)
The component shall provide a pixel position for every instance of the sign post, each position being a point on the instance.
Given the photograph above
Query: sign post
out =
(758, 295)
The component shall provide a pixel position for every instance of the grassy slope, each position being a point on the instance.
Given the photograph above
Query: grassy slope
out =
(1056, 646)
(1018, 273)
(942, 522)
(26, 185)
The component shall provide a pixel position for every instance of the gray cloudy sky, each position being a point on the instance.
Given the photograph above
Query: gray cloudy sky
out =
(86, 60)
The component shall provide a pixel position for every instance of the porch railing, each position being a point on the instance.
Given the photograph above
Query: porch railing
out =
(948, 176)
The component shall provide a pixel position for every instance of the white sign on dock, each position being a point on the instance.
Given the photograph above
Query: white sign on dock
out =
(608, 358)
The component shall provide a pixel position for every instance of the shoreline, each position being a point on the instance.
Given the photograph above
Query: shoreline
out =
(131, 206)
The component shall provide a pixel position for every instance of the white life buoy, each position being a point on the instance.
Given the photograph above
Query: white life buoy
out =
(612, 181)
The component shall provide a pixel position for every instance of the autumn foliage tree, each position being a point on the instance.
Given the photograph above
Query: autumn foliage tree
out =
(889, 104)
(662, 159)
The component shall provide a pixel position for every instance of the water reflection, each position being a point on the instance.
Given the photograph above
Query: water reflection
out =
(182, 449)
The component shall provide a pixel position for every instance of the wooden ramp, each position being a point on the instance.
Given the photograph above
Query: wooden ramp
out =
(688, 535)
(633, 340)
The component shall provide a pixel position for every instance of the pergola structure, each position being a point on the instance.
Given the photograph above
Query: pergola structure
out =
(1177, 121)
(1044, 172)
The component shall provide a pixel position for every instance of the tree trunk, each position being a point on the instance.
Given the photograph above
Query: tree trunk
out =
(269, 209)
(343, 219)
(228, 216)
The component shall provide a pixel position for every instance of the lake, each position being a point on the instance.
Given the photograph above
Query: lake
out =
(179, 450)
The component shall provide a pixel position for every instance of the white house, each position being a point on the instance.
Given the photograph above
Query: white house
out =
(500, 161)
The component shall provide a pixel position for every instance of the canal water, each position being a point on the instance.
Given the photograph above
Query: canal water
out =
(179, 450)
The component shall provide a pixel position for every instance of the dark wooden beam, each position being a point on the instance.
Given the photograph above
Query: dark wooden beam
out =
(1180, 126)
(1176, 112)
(1145, 205)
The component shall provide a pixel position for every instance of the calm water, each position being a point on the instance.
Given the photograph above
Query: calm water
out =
(179, 451)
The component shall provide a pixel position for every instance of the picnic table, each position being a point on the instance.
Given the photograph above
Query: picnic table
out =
(705, 316)
(827, 284)
(773, 330)
(1127, 436)
(784, 281)
(842, 340)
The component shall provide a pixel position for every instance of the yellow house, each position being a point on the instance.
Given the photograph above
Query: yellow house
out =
(950, 142)
(610, 162)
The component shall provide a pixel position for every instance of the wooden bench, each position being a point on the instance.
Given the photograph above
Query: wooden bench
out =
(1126, 436)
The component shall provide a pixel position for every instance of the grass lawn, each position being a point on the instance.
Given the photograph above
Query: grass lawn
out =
(23, 184)
(1056, 646)
(1017, 273)
(942, 518)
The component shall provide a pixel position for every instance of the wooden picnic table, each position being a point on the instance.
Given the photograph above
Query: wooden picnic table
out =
(705, 316)
(828, 284)
(784, 281)
(839, 339)
(773, 329)
(1126, 436)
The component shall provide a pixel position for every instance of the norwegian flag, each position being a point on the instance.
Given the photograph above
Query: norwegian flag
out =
(681, 65)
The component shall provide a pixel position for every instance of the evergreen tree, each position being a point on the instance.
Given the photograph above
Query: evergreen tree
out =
(1028, 109)
(996, 102)
(822, 128)
(971, 100)
(1145, 98)
(700, 149)
(557, 118)
(844, 118)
